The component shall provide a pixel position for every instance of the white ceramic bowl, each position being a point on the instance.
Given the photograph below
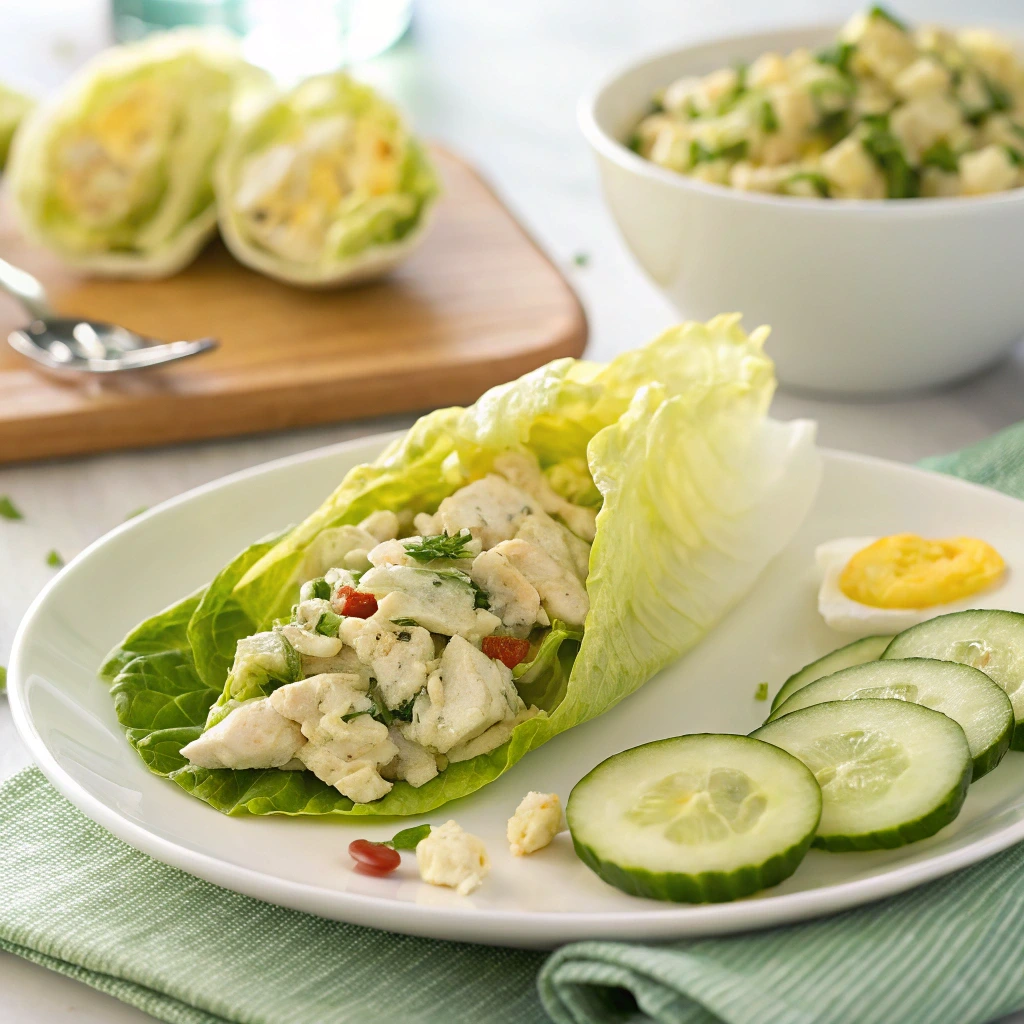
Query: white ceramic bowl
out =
(863, 297)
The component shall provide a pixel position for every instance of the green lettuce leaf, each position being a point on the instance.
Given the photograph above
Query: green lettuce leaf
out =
(699, 490)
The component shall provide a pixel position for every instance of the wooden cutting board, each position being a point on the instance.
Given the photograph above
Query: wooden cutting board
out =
(476, 304)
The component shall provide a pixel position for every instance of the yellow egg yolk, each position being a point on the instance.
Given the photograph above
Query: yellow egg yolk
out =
(908, 571)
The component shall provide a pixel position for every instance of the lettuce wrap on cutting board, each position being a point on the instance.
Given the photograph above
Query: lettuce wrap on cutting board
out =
(499, 574)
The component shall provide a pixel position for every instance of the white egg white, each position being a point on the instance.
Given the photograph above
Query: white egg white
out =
(845, 615)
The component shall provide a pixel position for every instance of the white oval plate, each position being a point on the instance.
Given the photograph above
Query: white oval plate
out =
(66, 717)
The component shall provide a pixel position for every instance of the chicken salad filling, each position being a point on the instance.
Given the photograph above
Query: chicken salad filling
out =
(888, 111)
(402, 656)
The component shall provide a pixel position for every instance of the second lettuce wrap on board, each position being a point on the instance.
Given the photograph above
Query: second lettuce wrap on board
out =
(694, 488)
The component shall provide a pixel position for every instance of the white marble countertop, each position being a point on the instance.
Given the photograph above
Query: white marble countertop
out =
(498, 82)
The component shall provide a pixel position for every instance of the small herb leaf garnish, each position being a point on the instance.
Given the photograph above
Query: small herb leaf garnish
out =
(440, 546)
(8, 509)
(405, 621)
(409, 838)
(761, 693)
(54, 560)
(581, 259)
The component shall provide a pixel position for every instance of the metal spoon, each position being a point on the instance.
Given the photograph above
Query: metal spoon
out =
(87, 346)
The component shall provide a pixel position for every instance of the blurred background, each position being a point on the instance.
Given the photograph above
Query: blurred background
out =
(499, 84)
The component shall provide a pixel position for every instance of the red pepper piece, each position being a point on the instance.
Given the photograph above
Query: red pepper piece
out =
(373, 858)
(509, 650)
(349, 601)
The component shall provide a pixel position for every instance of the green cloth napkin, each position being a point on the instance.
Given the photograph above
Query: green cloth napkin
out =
(75, 899)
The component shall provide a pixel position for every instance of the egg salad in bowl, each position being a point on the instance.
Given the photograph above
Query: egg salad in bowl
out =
(325, 185)
(885, 112)
(115, 174)
(884, 585)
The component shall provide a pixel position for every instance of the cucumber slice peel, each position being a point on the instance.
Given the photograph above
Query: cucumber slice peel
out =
(986, 639)
(695, 819)
(965, 694)
(860, 652)
(891, 772)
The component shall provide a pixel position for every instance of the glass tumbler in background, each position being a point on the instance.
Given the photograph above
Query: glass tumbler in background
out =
(290, 38)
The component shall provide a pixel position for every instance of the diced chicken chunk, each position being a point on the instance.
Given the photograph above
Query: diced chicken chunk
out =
(465, 696)
(254, 735)
(988, 170)
(383, 525)
(391, 552)
(413, 764)
(523, 471)
(398, 656)
(346, 660)
(561, 592)
(491, 509)
(512, 597)
(438, 601)
(451, 857)
(538, 819)
(345, 754)
(559, 542)
(492, 738)
(313, 644)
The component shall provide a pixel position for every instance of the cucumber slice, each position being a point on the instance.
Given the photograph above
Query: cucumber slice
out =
(857, 653)
(890, 772)
(990, 640)
(695, 819)
(960, 692)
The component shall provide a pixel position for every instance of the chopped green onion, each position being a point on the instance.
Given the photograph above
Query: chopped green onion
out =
(581, 259)
(940, 154)
(761, 693)
(837, 56)
(54, 560)
(404, 621)
(818, 181)
(880, 12)
(901, 179)
(328, 623)
(8, 510)
(1015, 155)
(769, 122)
(355, 714)
(701, 154)
(409, 838)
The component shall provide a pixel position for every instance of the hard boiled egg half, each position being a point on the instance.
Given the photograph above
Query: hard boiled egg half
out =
(888, 584)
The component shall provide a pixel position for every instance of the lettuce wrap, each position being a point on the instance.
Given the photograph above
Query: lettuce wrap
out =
(695, 491)
(324, 185)
(13, 108)
(115, 173)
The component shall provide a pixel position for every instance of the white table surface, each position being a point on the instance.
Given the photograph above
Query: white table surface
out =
(499, 83)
